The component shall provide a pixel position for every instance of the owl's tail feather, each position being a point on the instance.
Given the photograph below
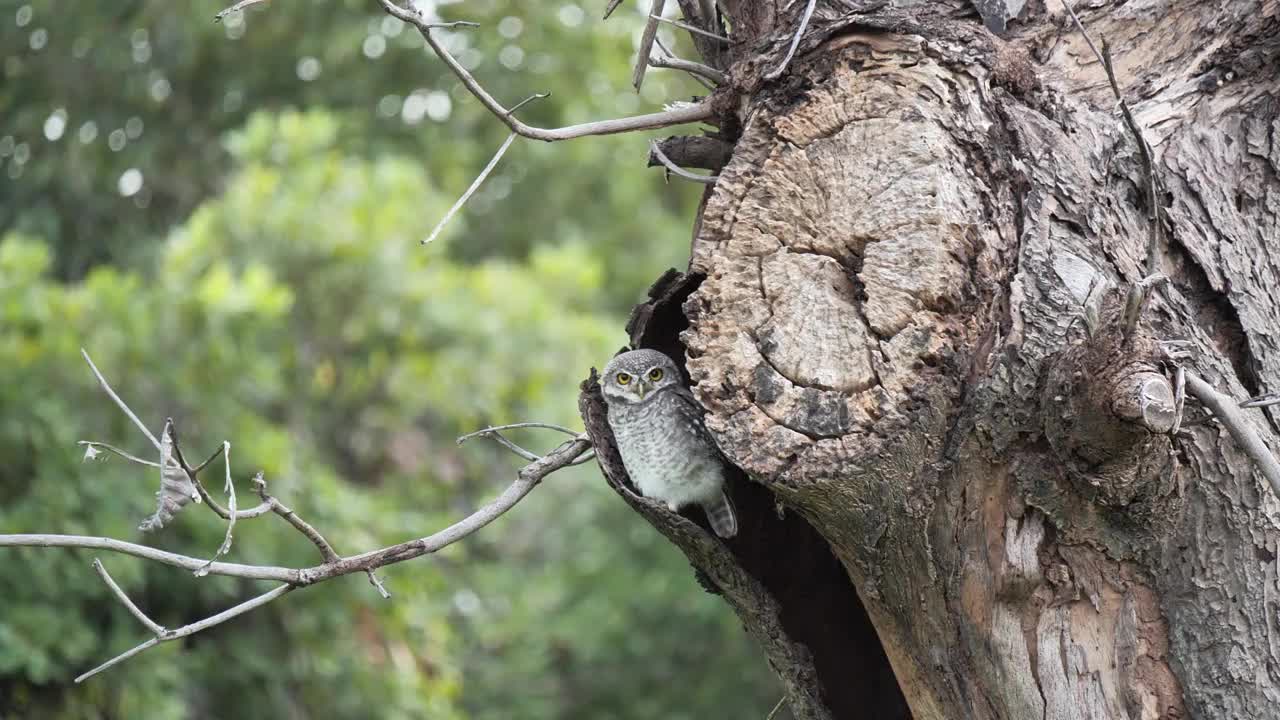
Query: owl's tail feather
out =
(723, 519)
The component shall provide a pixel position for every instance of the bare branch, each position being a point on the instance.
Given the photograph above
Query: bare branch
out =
(118, 451)
(608, 9)
(526, 480)
(116, 398)
(691, 67)
(698, 78)
(230, 489)
(655, 150)
(1264, 400)
(690, 28)
(776, 708)
(236, 8)
(475, 184)
(528, 477)
(563, 456)
(515, 426)
(1155, 227)
(795, 43)
(495, 432)
(1224, 408)
(252, 572)
(646, 44)
(153, 626)
(302, 526)
(196, 470)
(700, 112)
(193, 628)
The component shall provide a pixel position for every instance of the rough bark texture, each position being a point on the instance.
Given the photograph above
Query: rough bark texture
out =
(884, 318)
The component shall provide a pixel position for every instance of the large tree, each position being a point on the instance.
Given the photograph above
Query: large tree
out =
(907, 316)
(931, 311)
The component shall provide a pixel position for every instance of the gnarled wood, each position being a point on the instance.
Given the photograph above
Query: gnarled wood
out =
(886, 327)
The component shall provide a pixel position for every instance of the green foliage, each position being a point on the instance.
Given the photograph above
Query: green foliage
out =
(113, 114)
(296, 315)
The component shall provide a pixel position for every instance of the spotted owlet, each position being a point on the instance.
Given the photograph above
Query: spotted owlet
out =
(664, 445)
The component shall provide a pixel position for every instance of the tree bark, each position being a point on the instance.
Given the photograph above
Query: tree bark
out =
(958, 498)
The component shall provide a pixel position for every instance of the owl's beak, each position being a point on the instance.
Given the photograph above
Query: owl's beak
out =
(644, 389)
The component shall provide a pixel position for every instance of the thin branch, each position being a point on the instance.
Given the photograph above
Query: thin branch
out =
(690, 28)
(698, 78)
(526, 101)
(795, 42)
(608, 9)
(236, 8)
(568, 453)
(526, 480)
(302, 526)
(155, 627)
(691, 67)
(118, 451)
(1155, 227)
(693, 113)
(475, 184)
(1264, 400)
(646, 44)
(495, 432)
(116, 398)
(193, 628)
(515, 426)
(1224, 408)
(251, 572)
(253, 512)
(776, 708)
(230, 489)
(196, 470)
(528, 477)
(585, 457)
(656, 151)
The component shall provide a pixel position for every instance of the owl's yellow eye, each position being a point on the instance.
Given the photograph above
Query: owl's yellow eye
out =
(655, 374)
(623, 378)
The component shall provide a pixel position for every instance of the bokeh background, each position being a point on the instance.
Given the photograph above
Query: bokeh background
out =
(227, 216)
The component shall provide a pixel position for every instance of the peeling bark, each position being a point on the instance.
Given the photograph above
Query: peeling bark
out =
(884, 317)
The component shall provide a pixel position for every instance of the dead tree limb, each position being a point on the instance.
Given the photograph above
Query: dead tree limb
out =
(690, 113)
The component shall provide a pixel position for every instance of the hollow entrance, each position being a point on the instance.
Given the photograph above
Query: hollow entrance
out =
(820, 605)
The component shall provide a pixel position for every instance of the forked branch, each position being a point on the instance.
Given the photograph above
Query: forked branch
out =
(691, 113)
(574, 451)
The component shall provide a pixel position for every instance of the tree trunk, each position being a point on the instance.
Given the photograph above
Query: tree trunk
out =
(953, 503)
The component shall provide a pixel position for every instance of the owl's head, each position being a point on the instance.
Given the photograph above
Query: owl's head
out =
(636, 376)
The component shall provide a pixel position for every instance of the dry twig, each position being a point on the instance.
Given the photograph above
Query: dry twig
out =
(795, 42)
(690, 28)
(1155, 225)
(646, 43)
(699, 112)
(693, 68)
(572, 452)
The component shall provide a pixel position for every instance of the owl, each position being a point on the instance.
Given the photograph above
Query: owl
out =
(664, 445)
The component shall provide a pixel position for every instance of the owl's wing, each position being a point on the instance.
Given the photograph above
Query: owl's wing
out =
(690, 411)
